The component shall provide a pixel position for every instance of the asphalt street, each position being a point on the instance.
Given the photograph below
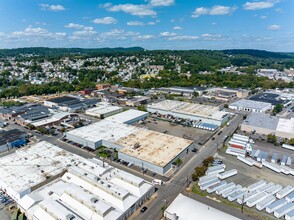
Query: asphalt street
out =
(180, 181)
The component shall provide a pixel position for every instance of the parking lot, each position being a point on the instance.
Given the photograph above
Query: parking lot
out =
(5, 202)
(195, 134)
(248, 175)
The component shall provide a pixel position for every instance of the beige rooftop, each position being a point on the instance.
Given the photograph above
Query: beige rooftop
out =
(154, 147)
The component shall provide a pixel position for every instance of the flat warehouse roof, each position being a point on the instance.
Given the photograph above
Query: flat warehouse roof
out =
(32, 165)
(153, 147)
(128, 115)
(102, 109)
(193, 109)
(244, 103)
(286, 125)
(262, 121)
(103, 130)
(186, 208)
(10, 136)
(62, 99)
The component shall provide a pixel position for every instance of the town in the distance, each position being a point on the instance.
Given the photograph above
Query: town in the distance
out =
(128, 133)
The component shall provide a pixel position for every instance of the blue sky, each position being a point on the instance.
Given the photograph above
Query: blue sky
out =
(152, 24)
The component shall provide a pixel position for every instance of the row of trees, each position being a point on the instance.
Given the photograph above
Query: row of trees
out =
(200, 171)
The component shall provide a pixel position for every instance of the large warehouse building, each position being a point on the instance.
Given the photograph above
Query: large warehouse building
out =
(197, 112)
(266, 124)
(152, 150)
(102, 133)
(103, 110)
(147, 149)
(250, 106)
(129, 117)
(50, 183)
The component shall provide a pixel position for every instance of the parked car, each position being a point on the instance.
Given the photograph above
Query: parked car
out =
(143, 209)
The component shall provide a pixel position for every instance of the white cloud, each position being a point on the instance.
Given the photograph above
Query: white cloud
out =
(259, 5)
(167, 34)
(151, 23)
(47, 7)
(263, 17)
(105, 20)
(215, 10)
(144, 37)
(177, 28)
(75, 26)
(135, 23)
(157, 3)
(211, 37)
(274, 27)
(184, 37)
(138, 10)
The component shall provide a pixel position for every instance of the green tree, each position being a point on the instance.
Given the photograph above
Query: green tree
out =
(291, 141)
(278, 108)
(142, 108)
(272, 138)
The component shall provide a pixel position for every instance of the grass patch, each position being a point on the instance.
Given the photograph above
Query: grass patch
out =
(196, 189)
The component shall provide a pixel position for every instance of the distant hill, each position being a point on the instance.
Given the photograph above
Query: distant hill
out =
(260, 53)
(62, 51)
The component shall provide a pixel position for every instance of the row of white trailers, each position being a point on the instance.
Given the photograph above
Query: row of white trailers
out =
(270, 165)
(269, 196)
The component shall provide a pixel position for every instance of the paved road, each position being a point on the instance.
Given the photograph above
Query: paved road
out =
(168, 191)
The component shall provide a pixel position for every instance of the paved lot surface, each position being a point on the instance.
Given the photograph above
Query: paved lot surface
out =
(248, 175)
(195, 134)
(4, 213)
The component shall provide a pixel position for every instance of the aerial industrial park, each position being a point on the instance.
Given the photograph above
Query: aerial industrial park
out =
(146, 110)
(75, 156)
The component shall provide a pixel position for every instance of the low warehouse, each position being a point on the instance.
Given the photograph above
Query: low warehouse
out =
(192, 111)
(129, 117)
(12, 138)
(147, 149)
(103, 110)
(266, 124)
(152, 150)
(104, 133)
(250, 106)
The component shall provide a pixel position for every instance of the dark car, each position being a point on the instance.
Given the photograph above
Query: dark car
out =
(143, 209)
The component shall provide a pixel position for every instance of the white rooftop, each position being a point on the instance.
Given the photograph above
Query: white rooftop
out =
(186, 208)
(57, 116)
(90, 190)
(32, 165)
(126, 116)
(194, 109)
(286, 125)
(102, 108)
(245, 103)
(104, 130)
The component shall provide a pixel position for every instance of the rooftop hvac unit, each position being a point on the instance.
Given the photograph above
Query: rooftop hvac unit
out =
(137, 145)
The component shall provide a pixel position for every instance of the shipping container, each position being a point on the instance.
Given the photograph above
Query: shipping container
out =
(259, 156)
(220, 190)
(275, 205)
(246, 160)
(284, 210)
(231, 191)
(236, 195)
(217, 171)
(284, 160)
(256, 153)
(289, 161)
(265, 202)
(241, 137)
(257, 185)
(272, 166)
(290, 215)
(273, 190)
(290, 197)
(274, 158)
(252, 153)
(256, 199)
(287, 146)
(227, 174)
(283, 192)
(265, 187)
(264, 156)
(208, 184)
(208, 177)
(246, 197)
(212, 189)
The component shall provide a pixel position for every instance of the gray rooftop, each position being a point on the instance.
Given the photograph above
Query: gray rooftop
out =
(262, 121)
(244, 103)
